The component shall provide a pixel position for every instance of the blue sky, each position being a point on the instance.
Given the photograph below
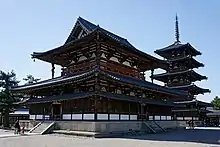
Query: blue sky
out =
(29, 26)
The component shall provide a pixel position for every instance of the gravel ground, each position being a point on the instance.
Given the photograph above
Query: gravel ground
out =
(5, 132)
(188, 138)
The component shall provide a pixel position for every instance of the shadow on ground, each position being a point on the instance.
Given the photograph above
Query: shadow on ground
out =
(196, 136)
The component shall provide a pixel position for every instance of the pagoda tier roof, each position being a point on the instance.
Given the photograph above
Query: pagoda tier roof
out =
(177, 46)
(213, 113)
(192, 63)
(193, 89)
(90, 30)
(82, 76)
(194, 101)
(191, 74)
(108, 95)
(188, 110)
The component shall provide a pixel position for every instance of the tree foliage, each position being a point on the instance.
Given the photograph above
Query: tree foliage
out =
(30, 79)
(216, 102)
(7, 81)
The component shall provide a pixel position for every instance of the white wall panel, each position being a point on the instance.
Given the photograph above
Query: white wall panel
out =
(77, 116)
(133, 117)
(124, 117)
(157, 118)
(169, 118)
(32, 116)
(39, 117)
(67, 116)
(114, 116)
(88, 116)
(151, 117)
(102, 116)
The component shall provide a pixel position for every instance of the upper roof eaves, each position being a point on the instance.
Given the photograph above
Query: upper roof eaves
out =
(90, 28)
(177, 46)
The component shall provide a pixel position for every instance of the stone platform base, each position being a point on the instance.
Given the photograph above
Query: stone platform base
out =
(106, 127)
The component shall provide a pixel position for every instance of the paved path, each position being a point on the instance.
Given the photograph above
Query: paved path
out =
(10, 133)
(188, 138)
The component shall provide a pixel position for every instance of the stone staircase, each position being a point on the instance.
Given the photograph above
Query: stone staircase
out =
(153, 127)
(43, 127)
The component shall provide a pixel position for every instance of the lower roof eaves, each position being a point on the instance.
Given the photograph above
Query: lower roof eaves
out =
(108, 95)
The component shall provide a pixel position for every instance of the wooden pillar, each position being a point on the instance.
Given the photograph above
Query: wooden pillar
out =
(95, 106)
(108, 108)
(53, 70)
(152, 73)
(142, 110)
(98, 49)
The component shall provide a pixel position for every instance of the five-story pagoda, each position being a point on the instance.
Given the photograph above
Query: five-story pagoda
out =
(180, 74)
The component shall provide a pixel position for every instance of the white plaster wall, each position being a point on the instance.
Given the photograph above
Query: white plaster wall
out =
(169, 118)
(39, 116)
(67, 116)
(32, 116)
(156, 117)
(89, 116)
(151, 117)
(102, 116)
(133, 117)
(114, 116)
(76, 116)
(124, 117)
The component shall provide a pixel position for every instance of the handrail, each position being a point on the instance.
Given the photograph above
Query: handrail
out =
(47, 128)
(35, 127)
(159, 126)
(149, 127)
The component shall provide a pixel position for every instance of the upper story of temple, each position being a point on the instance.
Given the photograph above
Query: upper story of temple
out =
(89, 45)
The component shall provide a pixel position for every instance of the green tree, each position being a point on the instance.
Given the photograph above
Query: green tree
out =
(216, 102)
(7, 81)
(30, 79)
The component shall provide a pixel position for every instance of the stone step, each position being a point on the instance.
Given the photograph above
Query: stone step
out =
(42, 127)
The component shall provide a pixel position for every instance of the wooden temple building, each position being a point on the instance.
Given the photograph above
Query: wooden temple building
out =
(181, 76)
(103, 78)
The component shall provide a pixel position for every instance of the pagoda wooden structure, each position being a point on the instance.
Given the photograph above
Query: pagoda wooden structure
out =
(180, 75)
(102, 79)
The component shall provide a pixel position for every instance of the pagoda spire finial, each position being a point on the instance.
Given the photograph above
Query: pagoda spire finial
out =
(177, 30)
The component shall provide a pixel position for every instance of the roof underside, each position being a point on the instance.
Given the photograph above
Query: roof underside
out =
(112, 76)
(192, 63)
(197, 102)
(167, 51)
(191, 74)
(114, 96)
(193, 89)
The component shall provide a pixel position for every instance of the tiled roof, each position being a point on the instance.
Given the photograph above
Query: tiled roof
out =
(143, 83)
(194, 88)
(90, 28)
(194, 101)
(191, 72)
(192, 60)
(177, 46)
(117, 77)
(60, 97)
(109, 95)
(54, 81)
